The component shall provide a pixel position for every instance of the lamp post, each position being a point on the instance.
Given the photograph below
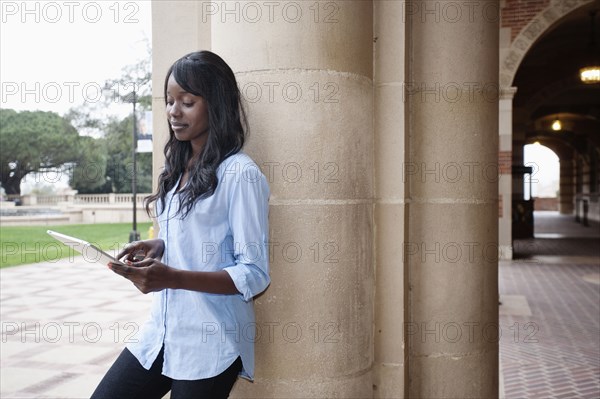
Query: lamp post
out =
(134, 235)
(132, 98)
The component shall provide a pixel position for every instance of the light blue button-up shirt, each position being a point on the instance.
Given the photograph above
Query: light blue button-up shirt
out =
(204, 333)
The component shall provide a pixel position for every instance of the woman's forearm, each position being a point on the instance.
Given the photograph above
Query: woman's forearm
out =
(211, 282)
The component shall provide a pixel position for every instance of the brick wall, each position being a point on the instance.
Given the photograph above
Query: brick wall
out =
(505, 162)
(518, 13)
(545, 204)
(504, 168)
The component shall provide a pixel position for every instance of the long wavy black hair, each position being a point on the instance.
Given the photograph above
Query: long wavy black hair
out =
(203, 74)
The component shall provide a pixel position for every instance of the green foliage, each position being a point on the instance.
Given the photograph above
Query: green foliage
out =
(106, 163)
(33, 141)
(119, 165)
(36, 141)
(89, 174)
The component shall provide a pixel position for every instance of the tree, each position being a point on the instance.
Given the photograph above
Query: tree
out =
(88, 176)
(115, 142)
(118, 133)
(33, 141)
(119, 163)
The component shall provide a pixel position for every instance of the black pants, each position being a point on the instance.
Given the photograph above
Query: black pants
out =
(127, 379)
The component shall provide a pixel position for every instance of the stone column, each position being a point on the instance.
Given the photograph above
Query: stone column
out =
(390, 371)
(567, 187)
(505, 169)
(452, 248)
(177, 29)
(305, 69)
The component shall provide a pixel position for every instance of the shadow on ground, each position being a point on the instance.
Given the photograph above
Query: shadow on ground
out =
(525, 249)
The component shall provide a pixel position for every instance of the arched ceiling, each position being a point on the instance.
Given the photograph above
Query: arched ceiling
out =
(548, 84)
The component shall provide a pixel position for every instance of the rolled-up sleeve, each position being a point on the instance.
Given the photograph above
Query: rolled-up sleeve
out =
(248, 220)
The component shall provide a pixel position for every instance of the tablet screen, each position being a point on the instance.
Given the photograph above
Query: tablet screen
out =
(90, 252)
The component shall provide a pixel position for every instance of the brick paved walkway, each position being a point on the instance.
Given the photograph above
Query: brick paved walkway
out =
(550, 313)
(64, 323)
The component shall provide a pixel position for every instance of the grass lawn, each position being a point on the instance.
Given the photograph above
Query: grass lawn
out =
(31, 244)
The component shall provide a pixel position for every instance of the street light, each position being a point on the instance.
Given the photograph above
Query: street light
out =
(134, 235)
(130, 98)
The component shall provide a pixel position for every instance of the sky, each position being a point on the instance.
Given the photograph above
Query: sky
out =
(54, 55)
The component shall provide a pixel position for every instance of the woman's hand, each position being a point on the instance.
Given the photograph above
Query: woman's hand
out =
(139, 250)
(148, 275)
(142, 266)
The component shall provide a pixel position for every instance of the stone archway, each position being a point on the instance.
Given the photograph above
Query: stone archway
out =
(544, 20)
(520, 104)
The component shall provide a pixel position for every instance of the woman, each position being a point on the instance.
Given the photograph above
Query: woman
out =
(211, 256)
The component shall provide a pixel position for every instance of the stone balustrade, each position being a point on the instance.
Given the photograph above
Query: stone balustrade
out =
(71, 208)
(84, 199)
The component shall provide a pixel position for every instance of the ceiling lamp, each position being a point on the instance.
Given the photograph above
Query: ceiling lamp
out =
(556, 125)
(590, 73)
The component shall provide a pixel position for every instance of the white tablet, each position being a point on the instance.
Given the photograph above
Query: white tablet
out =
(90, 252)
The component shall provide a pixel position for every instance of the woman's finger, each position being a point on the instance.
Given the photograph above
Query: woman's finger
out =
(142, 263)
(122, 270)
(130, 248)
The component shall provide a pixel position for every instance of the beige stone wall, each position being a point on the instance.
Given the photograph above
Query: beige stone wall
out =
(340, 128)
(389, 379)
(452, 216)
(308, 85)
(505, 123)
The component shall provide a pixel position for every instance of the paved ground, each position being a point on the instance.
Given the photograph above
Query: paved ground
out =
(549, 317)
(559, 235)
(64, 323)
